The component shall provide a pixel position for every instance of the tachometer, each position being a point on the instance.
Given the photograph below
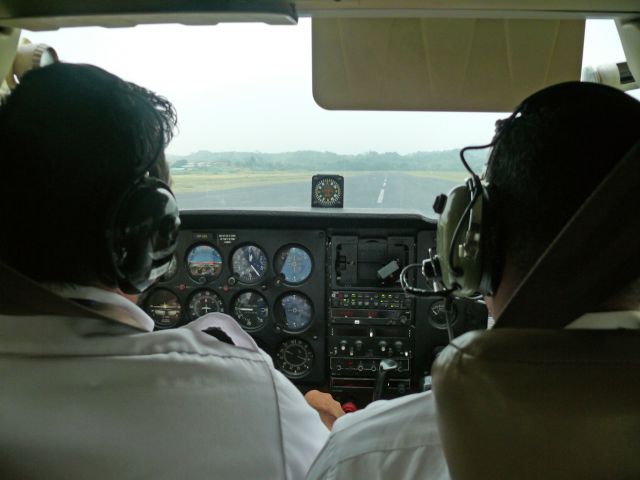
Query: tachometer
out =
(251, 311)
(204, 301)
(164, 308)
(294, 263)
(294, 358)
(204, 263)
(249, 263)
(294, 312)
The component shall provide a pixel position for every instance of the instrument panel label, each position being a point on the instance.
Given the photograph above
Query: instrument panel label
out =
(227, 238)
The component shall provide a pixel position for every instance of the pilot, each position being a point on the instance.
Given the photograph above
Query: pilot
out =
(559, 147)
(95, 393)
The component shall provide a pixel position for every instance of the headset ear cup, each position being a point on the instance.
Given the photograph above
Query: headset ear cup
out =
(143, 235)
(447, 233)
(460, 244)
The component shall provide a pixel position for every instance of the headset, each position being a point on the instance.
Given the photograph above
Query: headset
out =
(142, 233)
(465, 238)
(462, 263)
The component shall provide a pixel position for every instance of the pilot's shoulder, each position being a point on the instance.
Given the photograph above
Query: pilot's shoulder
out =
(211, 336)
(219, 327)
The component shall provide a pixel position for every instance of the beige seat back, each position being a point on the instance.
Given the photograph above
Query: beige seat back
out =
(540, 404)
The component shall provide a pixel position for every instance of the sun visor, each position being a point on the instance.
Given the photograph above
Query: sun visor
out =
(440, 64)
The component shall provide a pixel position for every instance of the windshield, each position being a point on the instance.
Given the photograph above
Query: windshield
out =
(251, 135)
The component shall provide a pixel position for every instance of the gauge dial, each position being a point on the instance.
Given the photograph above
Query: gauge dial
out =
(294, 263)
(249, 263)
(171, 271)
(204, 301)
(204, 263)
(294, 358)
(164, 308)
(327, 191)
(294, 312)
(251, 311)
(437, 315)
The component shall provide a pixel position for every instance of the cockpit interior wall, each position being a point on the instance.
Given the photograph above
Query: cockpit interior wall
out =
(9, 38)
(440, 64)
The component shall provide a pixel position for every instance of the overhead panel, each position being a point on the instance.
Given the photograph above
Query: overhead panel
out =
(440, 64)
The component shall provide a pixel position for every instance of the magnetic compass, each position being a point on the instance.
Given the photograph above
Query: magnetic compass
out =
(327, 191)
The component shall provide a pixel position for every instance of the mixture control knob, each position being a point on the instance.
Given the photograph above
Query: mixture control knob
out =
(398, 345)
(358, 344)
(382, 345)
(343, 345)
(349, 407)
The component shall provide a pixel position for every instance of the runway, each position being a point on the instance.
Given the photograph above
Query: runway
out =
(392, 190)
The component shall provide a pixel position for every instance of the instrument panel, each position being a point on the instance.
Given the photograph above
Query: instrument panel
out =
(308, 289)
(272, 282)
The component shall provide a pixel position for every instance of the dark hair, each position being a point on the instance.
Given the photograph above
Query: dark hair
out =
(74, 138)
(549, 158)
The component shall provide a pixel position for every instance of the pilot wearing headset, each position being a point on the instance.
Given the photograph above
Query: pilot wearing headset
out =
(86, 212)
(545, 160)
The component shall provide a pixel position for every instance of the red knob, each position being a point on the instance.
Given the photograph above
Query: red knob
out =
(349, 407)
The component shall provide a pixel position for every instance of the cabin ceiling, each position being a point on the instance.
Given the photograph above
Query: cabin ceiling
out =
(52, 14)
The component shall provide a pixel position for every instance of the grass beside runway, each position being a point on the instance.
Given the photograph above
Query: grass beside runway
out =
(453, 176)
(204, 182)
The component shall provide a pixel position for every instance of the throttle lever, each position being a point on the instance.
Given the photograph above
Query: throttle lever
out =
(386, 365)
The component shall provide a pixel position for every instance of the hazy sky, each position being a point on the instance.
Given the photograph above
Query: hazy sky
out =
(247, 87)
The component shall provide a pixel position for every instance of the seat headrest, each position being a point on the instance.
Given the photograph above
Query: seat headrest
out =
(532, 404)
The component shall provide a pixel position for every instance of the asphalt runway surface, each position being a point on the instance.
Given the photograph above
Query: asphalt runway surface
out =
(378, 190)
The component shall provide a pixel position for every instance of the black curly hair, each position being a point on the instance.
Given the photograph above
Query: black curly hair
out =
(549, 159)
(74, 138)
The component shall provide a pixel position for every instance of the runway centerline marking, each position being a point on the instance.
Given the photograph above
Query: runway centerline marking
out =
(381, 195)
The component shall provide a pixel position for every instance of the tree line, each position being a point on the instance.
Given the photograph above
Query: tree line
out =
(205, 161)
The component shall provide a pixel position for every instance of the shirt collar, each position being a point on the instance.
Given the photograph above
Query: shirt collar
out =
(626, 319)
(107, 303)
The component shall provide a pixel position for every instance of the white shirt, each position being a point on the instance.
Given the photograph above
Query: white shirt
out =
(399, 439)
(89, 398)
